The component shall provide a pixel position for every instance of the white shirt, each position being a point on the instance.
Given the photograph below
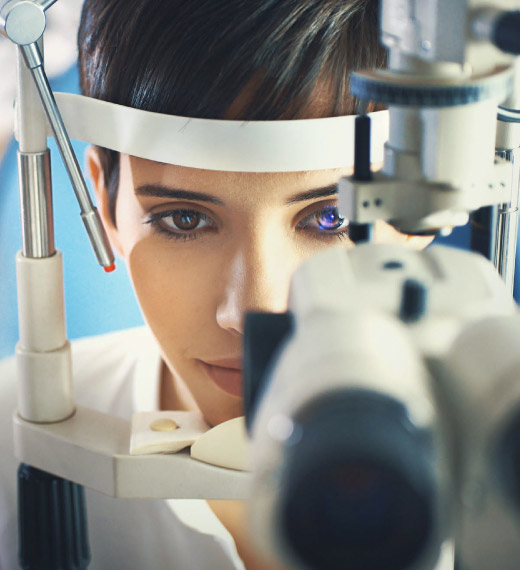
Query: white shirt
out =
(119, 374)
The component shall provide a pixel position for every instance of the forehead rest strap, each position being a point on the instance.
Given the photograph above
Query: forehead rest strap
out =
(235, 146)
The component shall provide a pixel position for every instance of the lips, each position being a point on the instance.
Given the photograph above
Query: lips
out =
(226, 374)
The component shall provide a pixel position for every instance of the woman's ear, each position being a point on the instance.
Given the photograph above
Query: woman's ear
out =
(97, 176)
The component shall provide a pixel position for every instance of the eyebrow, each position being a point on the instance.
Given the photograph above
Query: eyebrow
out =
(159, 191)
(313, 194)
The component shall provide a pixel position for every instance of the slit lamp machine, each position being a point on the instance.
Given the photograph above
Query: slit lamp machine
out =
(407, 450)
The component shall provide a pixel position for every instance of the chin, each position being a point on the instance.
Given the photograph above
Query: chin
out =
(216, 417)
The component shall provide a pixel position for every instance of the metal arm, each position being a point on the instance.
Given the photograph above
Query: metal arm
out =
(23, 22)
(89, 215)
(45, 4)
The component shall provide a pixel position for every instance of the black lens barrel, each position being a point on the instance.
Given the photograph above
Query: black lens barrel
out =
(359, 488)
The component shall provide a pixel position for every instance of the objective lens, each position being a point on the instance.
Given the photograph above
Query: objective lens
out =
(358, 491)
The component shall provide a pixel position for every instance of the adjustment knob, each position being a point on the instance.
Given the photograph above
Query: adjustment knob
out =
(22, 21)
(52, 522)
(506, 32)
(413, 301)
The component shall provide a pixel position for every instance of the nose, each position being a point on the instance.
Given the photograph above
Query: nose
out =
(257, 278)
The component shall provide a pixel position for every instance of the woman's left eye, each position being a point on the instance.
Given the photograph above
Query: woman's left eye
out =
(326, 220)
(180, 224)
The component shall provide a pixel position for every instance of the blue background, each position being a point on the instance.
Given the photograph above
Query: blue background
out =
(96, 302)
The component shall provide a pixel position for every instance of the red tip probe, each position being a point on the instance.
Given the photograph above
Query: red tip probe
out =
(110, 268)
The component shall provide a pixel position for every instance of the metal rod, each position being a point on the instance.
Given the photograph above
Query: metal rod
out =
(483, 236)
(89, 213)
(33, 61)
(34, 169)
(45, 4)
(507, 223)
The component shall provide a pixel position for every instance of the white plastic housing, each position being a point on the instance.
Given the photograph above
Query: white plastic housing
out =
(43, 352)
(342, 341)
(435, 31)
(344, 304)
(92, 449)
(481, 382)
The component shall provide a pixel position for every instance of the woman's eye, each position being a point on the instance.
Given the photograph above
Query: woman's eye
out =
(182, 223)
(326, 220)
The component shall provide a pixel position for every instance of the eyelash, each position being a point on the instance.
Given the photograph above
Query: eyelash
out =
(157, 223)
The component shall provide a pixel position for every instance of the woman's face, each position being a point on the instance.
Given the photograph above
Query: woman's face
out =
(204, 247)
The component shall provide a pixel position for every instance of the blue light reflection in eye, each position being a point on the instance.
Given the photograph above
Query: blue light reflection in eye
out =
(329, 218)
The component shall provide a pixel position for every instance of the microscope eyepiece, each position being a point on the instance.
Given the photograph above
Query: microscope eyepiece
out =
(358, 489)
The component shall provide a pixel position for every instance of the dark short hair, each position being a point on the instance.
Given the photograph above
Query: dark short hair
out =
(195, 57)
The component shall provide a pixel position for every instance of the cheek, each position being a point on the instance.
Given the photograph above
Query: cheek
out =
(175, 287)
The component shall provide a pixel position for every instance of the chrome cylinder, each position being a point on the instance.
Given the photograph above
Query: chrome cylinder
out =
(34, 172)
(507, 223)
(98, 237)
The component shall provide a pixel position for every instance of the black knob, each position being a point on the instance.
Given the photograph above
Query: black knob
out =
(52, 522)
(506, 32)
(360, 233)
(413, 301)
(393, 264)
(362, 148)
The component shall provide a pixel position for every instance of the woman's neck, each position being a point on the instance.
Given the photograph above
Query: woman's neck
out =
(175, 396)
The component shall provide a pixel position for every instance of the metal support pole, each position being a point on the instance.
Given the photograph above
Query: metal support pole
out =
(34, 174)
(34, 168)
(507, 223)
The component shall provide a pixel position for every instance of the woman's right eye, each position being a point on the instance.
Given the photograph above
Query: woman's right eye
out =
(182, 223)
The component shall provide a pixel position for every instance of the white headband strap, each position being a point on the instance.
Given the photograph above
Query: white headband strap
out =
(236, 146)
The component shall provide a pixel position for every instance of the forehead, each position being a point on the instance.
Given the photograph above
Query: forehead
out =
(252, 186)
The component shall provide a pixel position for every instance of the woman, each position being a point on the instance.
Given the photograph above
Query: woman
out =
(203, 247)
(199, 262)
